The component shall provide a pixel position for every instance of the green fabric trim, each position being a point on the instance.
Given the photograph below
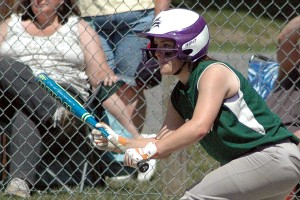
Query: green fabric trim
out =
(106, 91)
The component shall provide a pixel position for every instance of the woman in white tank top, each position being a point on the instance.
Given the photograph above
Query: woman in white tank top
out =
(62, 48)
(49, 37)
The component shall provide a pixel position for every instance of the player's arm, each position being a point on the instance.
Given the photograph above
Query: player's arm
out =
(216, 84)
(213, 89)
(172, 121)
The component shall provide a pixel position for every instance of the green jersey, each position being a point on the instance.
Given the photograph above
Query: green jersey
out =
(243, 123)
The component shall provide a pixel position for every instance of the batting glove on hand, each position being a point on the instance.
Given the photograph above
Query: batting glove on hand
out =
(135, 155)
(102, 143)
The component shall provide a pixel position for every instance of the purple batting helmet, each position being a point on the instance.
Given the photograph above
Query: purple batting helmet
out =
(187, 28)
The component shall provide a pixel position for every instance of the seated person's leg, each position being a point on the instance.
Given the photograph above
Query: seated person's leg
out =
(17, 84)
(25, 147)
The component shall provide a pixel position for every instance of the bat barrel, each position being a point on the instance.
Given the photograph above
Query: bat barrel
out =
(62, 96)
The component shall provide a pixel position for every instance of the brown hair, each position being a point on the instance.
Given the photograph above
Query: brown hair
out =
(6, 8)
(69, 7)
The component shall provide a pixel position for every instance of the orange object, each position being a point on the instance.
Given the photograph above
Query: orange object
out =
(291, 195)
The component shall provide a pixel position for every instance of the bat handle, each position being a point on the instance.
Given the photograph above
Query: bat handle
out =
(143, 166)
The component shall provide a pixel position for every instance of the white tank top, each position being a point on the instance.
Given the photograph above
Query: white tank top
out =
(59, 55)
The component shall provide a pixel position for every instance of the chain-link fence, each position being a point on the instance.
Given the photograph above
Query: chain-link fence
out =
(60, 162)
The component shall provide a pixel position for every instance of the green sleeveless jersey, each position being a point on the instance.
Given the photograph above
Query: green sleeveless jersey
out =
(243, 123)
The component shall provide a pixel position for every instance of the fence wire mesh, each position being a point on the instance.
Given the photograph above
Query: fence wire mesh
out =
(62, 162)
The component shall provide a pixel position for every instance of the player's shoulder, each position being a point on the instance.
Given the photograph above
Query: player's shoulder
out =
(217, 68)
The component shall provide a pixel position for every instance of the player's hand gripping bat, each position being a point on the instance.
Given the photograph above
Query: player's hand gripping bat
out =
(63, 97)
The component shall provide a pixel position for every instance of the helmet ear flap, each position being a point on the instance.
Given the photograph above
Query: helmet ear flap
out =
(185, 55)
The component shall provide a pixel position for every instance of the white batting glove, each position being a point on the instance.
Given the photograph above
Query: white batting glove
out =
(100, 142)
(136, 155)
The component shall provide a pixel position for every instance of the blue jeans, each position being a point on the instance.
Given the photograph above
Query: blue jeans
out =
(122, 46)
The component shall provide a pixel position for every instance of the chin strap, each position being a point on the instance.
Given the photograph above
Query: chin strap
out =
(180, 69)
(190, 67)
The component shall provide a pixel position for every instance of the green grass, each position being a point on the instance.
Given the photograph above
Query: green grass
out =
(241, 32)
(166, 184)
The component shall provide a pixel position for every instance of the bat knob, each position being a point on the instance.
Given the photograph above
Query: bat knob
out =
(143, 167)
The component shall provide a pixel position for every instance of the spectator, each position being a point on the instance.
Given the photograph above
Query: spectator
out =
(284, 100)
(48, 37)
(117, 23)
(214, 104)
(18, 87)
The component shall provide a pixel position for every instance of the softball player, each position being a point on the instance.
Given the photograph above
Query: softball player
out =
(213, 104)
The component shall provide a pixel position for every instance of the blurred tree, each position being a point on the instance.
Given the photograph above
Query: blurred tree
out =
(285, 10)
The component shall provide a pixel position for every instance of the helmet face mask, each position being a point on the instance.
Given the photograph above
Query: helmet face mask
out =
(166, 53)
(190, 33)
(148, 73)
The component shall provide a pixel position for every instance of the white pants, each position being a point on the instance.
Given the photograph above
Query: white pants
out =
(269, 173)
